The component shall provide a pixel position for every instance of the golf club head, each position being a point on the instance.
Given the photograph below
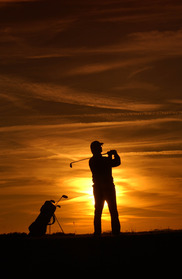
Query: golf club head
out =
(65, 196)
(70, 165)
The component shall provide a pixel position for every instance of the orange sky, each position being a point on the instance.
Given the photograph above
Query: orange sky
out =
(76, 71)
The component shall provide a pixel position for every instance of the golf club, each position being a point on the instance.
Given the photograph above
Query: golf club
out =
(63, 196)
(82, 160)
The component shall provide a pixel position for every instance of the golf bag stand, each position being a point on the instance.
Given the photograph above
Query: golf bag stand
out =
(55, 219)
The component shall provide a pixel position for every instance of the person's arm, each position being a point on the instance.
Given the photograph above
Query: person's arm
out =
(115, 162)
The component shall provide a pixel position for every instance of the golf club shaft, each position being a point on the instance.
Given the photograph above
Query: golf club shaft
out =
(83, 160)
(63, 196)
(58, 201)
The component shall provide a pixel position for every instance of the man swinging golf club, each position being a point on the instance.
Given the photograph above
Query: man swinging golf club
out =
(103, 186)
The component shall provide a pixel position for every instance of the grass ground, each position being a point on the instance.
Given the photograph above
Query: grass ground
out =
(144, 253)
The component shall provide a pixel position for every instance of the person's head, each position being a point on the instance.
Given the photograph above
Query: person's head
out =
(96, 147)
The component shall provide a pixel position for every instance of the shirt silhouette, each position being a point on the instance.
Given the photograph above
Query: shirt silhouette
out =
(103, 186)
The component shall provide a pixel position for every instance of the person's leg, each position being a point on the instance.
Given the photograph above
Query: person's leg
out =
(111, 200)
(99, 204)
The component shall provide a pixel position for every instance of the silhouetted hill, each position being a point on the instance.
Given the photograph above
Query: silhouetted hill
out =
(144, 253)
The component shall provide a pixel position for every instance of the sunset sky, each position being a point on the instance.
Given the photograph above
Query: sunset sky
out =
(74, 71)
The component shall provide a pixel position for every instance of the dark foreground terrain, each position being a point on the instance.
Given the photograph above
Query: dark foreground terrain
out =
(130, 254)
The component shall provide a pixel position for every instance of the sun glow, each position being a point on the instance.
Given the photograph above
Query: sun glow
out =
(83, 186)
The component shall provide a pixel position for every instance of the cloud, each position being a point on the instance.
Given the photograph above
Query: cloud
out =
(137, 85)
(140, 70)
(96, 68)
(102, 67)
(141, 12)
(157, 41)
(15, 1)
(65, 94)
(41, 35)
(152, 43)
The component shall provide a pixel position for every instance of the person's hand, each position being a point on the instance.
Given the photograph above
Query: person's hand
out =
(112, 152)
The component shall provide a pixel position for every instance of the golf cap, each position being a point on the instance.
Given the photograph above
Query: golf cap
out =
(95, 145)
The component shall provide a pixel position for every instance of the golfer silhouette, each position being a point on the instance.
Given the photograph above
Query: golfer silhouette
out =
(103, 186)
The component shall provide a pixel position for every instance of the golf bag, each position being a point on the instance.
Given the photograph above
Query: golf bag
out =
(39, 226)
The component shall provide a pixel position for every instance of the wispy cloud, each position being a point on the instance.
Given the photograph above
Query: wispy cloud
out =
(102, 67)
(51, 92)
(15, 1)
(157, 41)
(152, 43)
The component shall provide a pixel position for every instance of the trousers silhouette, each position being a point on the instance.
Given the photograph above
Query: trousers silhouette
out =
(109, 196)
